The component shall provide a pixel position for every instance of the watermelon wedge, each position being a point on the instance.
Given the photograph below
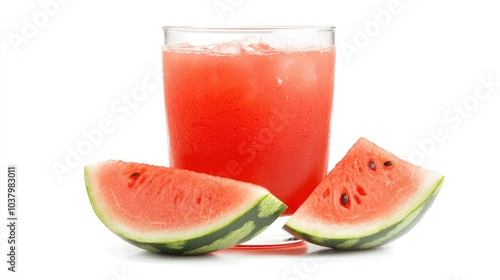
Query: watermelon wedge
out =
(369, 199)
(175, 211)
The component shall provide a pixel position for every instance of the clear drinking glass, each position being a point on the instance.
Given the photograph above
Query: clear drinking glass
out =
(252, 104)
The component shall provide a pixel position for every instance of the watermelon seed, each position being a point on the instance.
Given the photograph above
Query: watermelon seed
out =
(371, 164)
(388, 163)
(135, 174)
(344, 199)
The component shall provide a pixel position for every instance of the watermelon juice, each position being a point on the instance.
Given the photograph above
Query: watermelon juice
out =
(251, 113)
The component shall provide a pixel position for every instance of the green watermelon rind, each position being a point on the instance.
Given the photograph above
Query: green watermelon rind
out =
(240, 229)
(384, 236)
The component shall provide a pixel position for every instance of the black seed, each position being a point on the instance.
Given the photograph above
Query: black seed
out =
(371, 164)
(387, 163)
(344, 199)
(135, 174)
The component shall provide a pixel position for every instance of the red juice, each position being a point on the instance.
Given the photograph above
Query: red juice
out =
(260, 116)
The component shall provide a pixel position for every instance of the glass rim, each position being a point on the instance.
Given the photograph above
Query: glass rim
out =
(250, 29)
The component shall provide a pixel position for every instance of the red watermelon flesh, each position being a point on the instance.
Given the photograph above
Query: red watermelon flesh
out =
(369, 191)
(157, 207)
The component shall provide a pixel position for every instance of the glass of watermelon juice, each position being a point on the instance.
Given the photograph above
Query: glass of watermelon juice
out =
(252, 104)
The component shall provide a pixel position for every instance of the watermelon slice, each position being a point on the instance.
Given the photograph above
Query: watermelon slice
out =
(175, 211)
(370, 198)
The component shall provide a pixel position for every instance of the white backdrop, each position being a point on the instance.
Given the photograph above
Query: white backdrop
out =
(419, 78)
